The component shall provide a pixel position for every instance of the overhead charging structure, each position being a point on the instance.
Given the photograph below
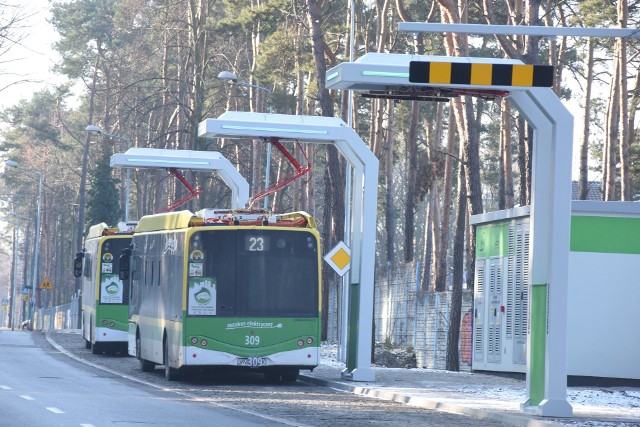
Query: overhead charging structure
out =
(333, 131)
(414, 77)
(176, 160)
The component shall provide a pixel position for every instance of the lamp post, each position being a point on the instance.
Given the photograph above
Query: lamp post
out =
(12, 300)
(127, 183)
(36, 251)
(228, 75)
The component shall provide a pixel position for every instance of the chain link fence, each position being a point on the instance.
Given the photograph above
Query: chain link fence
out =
(65, 316)
(404, 316)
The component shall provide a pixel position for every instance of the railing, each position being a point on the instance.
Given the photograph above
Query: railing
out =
(65, 316)
(405, 317)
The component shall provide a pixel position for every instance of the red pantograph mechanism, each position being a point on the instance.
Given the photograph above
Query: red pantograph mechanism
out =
(299, 171)
(192, 192)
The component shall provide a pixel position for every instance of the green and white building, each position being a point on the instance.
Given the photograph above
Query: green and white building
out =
(603, 290)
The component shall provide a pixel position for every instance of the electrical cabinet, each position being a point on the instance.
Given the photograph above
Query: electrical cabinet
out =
(603, 290)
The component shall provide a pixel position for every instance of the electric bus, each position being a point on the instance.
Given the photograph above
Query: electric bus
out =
(225, 289)
(105, 310)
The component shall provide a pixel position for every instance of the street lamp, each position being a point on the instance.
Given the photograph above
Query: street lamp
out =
(228, 75)
(38, 175)
(127, 184)
(12, 301)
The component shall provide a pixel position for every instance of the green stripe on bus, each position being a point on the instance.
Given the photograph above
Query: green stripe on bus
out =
(605, 234)
(116, 313)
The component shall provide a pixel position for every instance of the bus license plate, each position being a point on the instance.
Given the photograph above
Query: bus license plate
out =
(252, 362)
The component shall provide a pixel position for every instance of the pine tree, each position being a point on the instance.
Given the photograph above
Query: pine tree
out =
(104, 202)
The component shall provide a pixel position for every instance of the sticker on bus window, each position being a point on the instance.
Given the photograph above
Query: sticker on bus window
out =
(107, 257)
(202, 296)
(107, 267)
(195, 269)
(111, 289)
(196, 255)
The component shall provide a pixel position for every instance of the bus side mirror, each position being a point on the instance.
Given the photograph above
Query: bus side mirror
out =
(77, 264)
(125, 264)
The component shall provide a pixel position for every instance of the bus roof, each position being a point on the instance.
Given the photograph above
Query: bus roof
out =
(184, 219)
(97, 230)
(102, 229)
(165, 221)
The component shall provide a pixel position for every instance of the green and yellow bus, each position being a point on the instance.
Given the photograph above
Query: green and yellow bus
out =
(105, 298)
(225, 289)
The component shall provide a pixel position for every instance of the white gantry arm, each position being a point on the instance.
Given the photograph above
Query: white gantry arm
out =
(187, 160)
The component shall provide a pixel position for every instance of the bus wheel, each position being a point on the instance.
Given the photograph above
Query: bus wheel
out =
(171, 374)
(96, 349)
(290, 375)
(145, 365)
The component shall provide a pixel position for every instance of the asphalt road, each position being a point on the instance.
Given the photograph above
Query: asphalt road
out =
(122, 395)
(40, 388)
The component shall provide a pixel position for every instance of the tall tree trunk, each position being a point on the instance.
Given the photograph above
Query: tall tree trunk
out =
(389, 202)
(525, 152)
(457, 45)
(611, 134)
(447, 190)
(634, 103)
(412, 171)
(583, 181)
(625, 174)
(436, 240)
(506, 158)
(427, 255)
(197, 16)
(453, 334)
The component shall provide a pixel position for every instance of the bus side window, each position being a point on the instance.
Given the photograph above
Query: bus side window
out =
(135, 267)
(77, 264)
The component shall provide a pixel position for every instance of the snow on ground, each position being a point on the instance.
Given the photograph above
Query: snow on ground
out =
(623, 401)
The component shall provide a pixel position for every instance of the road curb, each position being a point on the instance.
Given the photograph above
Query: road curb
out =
(428, 403)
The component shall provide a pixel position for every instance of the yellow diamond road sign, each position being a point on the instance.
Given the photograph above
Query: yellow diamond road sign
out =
(46, 284)
(339, 258)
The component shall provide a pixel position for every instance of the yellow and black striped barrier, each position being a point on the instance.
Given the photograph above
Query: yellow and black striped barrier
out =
(478, 74)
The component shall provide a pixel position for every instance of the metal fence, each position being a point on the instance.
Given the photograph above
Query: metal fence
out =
(403, 316)
(65, 316)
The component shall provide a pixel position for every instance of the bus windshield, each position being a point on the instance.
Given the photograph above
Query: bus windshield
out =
(112, 289)
(268, 273)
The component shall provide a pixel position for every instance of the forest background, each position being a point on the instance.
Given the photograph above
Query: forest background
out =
(148, 75)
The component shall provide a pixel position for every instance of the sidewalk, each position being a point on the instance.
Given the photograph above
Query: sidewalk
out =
(485, 396)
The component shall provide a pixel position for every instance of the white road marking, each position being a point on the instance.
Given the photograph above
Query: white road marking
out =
(87, 425)
(55, 410)
(5, 387)
(186, 394)
(24, 396)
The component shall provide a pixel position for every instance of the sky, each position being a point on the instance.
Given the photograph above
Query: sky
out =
(33, 59)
